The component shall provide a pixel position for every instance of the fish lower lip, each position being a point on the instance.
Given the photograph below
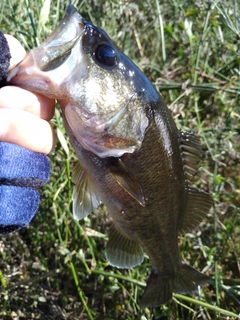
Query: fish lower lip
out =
(12, 73)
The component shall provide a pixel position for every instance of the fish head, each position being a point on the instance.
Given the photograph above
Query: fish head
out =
(106, 99)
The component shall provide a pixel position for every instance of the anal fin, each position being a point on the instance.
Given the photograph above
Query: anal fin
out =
(121, 251)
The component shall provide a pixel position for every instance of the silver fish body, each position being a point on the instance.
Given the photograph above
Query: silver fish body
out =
(132, 156)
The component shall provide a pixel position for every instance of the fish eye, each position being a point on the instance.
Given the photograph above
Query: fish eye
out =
(105, 56)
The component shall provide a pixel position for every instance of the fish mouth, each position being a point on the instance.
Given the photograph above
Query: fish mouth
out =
(51, 54)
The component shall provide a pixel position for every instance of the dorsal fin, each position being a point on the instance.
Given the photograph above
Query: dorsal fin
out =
(121, 251)
(192, 153)
(126, 180)
(198, 205)
(85, 198)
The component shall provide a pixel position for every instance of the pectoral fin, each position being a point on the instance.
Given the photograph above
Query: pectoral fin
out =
(198, 205)
(121, 251)
(127, 181)
(85, 198)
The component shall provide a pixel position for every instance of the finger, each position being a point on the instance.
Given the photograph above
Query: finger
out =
(16, 49)
(26, 130)
(17, 98)
(62, 103)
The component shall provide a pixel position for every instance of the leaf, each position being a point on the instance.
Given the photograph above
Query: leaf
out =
(62, 141)
(44, 14)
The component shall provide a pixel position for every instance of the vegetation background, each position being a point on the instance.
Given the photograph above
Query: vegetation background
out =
(56, 268)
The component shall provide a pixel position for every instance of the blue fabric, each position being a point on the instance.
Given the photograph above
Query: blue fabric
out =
(17, 162)
(17, 207)
(21, 173)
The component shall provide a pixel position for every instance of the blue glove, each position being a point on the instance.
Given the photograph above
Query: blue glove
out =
(22, 172)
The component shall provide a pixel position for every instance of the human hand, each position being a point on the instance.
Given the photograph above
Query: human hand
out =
(24, 116)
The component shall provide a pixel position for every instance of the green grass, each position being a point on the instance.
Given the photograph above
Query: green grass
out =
(56, 268)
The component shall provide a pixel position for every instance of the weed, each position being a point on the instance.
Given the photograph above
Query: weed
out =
(56, 268)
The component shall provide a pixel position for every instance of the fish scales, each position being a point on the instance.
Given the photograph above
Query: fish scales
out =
(131, 155)
(163, 197)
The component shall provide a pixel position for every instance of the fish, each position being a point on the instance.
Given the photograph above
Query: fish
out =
(131, 155)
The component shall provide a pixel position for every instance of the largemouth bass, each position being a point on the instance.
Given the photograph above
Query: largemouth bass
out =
(131, 155)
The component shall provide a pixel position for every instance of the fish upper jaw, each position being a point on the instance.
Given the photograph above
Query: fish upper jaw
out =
(47, 67)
